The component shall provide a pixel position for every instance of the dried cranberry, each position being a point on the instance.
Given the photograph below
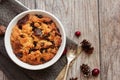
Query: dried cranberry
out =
(95, 72)
(77, 33)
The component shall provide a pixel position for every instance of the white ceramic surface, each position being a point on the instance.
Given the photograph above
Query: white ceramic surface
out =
(9, 47)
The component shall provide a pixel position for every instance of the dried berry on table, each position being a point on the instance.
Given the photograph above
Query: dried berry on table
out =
(2, 30)
(74, 78)
(77, 33)
(95, 72)
(85, 69)
(86, 46)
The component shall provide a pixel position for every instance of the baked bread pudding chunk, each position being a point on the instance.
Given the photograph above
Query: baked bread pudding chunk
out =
(35, 39)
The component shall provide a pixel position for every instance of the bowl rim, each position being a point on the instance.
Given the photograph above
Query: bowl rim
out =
(20, 63)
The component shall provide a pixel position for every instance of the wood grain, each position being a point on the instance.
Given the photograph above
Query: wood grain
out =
(110, 39)
(86, 20)
(77, 15)
(98, 21)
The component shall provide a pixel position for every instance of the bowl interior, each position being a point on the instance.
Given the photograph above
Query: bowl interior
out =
(9, 47)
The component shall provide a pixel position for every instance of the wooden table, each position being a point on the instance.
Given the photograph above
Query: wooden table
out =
(99, 22)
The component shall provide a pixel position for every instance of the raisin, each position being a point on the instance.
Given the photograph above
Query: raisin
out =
(35, 43)
(57, 33)
(32, 25)
(23, 21)
(32, 49)
(19, 55)
(39, 16)
(42, 44)
(43, 49)
(42, 60)
(52, 42)
(50, 22)
(45, 36)
(52, 46)
(58, 30)
(20, 26)
(22, 36)
(37, 32)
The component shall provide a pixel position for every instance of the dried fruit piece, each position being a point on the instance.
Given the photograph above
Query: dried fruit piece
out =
(39, 16)
(77, 33)
(86, 46)
(35, 43)
(32, 49)
(23, 21)
(19, 55)
(37, 32)
(32, 25)
(42, 60)
(85, 69)
(2, 30)
(74, 78)
(95, 72)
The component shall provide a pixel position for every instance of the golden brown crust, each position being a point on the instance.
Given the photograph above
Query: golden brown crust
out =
(36, 40)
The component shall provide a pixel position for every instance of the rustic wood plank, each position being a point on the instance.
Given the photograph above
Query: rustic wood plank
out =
(110, 39)
(77, 15)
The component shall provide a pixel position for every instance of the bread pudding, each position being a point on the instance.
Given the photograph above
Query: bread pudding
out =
(35, 39)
